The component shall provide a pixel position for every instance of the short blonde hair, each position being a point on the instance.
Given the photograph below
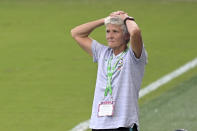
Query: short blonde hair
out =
(116, 21)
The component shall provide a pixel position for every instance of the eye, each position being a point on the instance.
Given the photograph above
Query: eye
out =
(107, 31)
(115, 31)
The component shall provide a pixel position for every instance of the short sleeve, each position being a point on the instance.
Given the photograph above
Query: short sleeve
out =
(96, 50)
(143, 58)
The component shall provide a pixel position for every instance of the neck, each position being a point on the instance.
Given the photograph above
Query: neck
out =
(120, 49)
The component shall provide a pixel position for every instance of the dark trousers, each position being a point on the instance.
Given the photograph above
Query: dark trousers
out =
(119, 129)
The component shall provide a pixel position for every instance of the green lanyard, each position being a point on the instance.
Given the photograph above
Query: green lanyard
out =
(110, 71)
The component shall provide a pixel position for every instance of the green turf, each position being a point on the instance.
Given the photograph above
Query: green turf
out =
(47, 81)
(174, 109)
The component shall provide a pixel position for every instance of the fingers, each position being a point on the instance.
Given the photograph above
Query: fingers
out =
(120, 14)
(117, 13)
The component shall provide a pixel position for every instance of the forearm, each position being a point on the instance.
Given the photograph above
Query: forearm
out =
(81, 34)
(136, 38)
(85, 29)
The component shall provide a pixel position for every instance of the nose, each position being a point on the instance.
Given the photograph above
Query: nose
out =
(110, 35)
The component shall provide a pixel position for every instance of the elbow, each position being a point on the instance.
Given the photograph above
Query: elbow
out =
(72, 32)
(75, 33)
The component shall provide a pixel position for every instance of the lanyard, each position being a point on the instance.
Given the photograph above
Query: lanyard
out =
(110, 71)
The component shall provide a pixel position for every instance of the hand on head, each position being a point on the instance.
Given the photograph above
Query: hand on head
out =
(120, 14)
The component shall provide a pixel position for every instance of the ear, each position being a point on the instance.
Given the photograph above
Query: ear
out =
(127, 37)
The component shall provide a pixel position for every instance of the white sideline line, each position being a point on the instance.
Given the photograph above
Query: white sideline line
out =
(153, 86)
(81, 126)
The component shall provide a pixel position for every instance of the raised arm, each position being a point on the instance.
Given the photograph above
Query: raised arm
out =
(136, 38)
(134, 31)
(81, 34)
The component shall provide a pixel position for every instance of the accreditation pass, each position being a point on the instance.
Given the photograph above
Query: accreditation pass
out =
(106, 108)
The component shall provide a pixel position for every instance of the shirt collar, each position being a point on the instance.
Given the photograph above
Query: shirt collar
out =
(115, 56)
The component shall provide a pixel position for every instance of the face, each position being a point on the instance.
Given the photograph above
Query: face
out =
(115, 36)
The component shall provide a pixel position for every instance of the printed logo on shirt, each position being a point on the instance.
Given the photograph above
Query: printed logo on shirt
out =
(120, 64)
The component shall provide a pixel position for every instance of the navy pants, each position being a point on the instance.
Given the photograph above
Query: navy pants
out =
(119, 129)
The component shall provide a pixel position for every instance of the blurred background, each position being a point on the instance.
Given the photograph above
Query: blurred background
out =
(47, 82)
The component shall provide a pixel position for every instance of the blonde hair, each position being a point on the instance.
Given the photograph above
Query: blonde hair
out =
(116, 21)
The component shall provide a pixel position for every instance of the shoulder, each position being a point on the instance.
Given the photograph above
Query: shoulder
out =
(98, 47)
(143, 57)
(97, 44)
(99, 50)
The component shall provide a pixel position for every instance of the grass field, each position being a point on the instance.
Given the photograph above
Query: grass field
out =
(174, 109)
(47, 81)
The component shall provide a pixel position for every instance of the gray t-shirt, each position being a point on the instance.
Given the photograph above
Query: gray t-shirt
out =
(126, 82)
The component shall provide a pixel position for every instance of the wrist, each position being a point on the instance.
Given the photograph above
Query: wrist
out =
(102, 20)
(128, 18)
